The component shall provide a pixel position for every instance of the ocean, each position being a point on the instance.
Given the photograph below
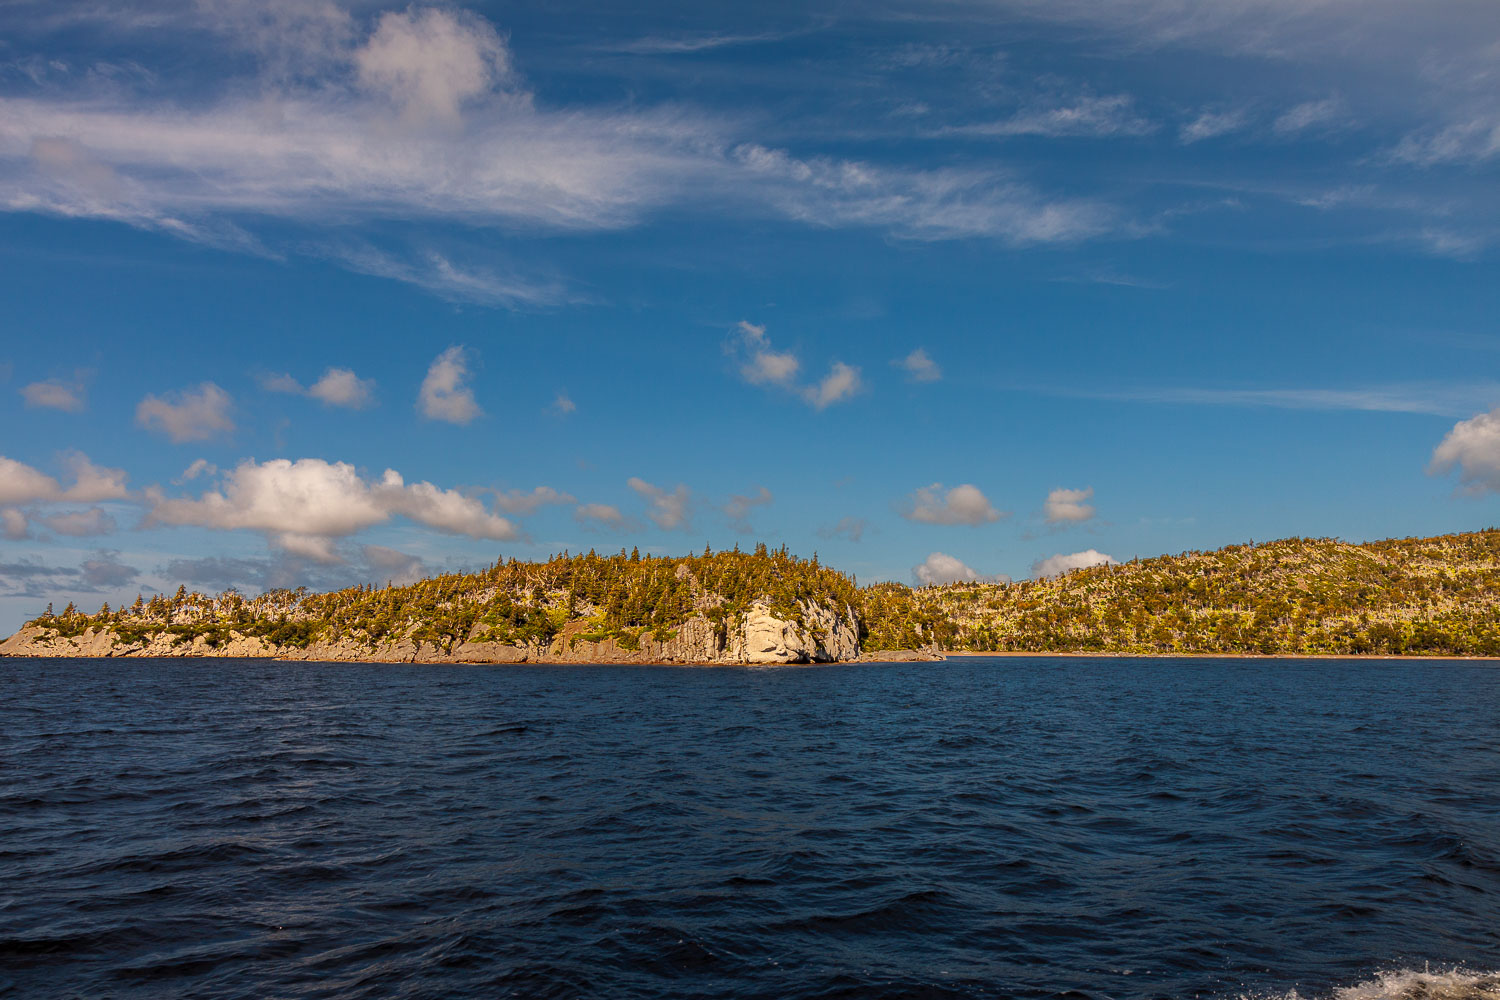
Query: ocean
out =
(983, 827)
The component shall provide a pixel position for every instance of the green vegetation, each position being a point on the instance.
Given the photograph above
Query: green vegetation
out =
(1415, 596)
(1436, 596)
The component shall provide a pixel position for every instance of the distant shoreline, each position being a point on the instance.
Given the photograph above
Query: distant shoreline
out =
(867, 659)
(1229, 656)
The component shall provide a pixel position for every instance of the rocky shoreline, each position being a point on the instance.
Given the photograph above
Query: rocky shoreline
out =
(822, 636)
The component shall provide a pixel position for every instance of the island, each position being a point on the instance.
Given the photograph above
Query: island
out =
(1292, 597)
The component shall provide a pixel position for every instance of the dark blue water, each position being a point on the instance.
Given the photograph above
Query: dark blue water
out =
(977, 828)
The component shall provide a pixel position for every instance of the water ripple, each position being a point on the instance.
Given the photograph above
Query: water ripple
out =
(980, 828)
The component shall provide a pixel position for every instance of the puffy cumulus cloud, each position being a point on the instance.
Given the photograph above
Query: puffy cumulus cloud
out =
(1059, 564)
(842, 382)
(739, 507)
(919, 367)
(669, 511)
(963, 504)
(20, 483)
(13, 524)
(850, 527)
(603, 515)
(761, 364)
(92, 483)
(80, 523)
(303, 506)
(430, 61)
(940, 568)
(445, 393)
(337, 387)
(1473, 448)
(54, 394)
(1068, 506)
(522, 503)
(196, 414)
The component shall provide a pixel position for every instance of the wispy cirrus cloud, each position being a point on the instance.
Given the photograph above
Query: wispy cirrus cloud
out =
(1086, 116)
(421, 114)
(1435, 398)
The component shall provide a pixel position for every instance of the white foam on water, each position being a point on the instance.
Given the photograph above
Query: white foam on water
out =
(1409, 984)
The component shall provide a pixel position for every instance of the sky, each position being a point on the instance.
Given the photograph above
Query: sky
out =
(318, 293)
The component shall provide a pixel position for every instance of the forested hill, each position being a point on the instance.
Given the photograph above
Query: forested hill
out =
(1433, 595)
(1298, 595)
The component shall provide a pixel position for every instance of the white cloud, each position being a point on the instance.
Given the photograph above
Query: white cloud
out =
(13, 524)
(420, 115)
(1087, 116)
(1064, 506)
(1211, 124)
(937, 204)
(669, 511)
(303, 505)
(603, 515)
(523, 504)
(200, 467)
(940, 568)
(764, 365)
(1059, 564)
(1470, 141)
(1473, 448)
(919, 367)
(20, 483)
(55, 395)
(1445, 399)
(187, 414)
(445, 394)
(760, 364)
(430, 62)
(440, 275)
(92, 482)
(563, 405)
(738, 509)
(842, 382)
(80, 523)
(336, 387)
(1328, 112)
(963, 504)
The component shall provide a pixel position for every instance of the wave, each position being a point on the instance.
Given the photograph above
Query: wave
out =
(1409, 984)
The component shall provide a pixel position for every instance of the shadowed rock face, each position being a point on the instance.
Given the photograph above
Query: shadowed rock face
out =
(824, 636)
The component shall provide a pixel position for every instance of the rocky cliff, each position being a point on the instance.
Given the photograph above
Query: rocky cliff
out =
(823, 635)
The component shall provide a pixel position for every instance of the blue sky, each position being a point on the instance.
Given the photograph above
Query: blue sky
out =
(318, 293)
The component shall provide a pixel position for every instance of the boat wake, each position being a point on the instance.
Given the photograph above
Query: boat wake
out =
(1408, 984)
